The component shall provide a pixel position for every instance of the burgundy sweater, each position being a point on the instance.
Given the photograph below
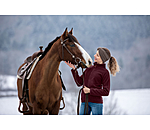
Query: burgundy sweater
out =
(96, 78)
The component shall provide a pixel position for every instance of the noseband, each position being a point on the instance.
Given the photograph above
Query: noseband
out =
(77, 59)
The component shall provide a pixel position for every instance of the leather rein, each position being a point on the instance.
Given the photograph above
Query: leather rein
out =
(77, 62)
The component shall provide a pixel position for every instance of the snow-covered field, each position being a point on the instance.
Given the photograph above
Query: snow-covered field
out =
(8, 82)
(119, 102)
(9, 106)
(131, 102)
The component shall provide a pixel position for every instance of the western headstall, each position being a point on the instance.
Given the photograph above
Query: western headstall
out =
(78, 61)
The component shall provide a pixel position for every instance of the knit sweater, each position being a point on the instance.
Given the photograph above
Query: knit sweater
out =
(97, 79)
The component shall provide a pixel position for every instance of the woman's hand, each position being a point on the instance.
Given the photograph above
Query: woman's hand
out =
(70, 65)
(86, 90)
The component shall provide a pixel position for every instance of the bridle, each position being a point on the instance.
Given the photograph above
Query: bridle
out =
(78, 60)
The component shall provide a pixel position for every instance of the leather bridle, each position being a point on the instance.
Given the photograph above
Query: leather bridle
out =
(77, 59)
(77, 62)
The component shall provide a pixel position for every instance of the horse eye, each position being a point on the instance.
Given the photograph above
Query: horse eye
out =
(72, 45)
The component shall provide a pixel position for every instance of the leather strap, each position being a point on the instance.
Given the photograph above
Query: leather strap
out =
(86, 99)
(79, 101)
(86, 105)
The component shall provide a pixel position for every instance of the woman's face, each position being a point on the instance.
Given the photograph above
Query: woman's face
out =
(97, 58)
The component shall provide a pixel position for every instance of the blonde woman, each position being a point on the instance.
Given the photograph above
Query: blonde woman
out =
(96, 81)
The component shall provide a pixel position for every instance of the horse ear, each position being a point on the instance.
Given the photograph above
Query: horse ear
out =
(71, 31)
(65, 34)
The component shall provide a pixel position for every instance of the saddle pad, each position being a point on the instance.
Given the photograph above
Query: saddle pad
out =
(33, 66)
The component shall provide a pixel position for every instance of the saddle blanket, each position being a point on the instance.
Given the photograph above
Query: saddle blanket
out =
(33, 66)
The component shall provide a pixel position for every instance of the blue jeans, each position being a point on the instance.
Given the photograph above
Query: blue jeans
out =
(95, 108)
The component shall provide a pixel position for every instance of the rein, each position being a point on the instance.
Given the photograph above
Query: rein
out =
(86, 98)
(78, 61)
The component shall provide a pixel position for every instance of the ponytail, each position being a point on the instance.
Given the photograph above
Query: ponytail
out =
(105, 54)
(113, 66)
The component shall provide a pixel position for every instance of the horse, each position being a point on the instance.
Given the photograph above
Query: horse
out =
(44, 85)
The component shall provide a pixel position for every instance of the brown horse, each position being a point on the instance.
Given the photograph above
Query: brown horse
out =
(45, 87)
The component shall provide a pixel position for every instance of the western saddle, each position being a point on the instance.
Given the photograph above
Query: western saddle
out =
(36, 54)
(28, 62)
(23, 73)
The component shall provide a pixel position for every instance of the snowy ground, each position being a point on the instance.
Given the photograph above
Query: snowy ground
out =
(119, 102)
(9, 106)
(131, 102)
(136, 101)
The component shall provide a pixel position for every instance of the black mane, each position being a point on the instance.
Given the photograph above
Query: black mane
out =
(48, 47)
(71, 38)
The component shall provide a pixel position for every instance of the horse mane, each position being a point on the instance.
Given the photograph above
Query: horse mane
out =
(73, 39)
(48, 47)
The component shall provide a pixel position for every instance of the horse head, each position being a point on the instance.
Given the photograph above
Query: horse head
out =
(72, 51)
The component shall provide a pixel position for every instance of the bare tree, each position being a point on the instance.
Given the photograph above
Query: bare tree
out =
(111, 106)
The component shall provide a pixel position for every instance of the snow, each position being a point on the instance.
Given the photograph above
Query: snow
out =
(9, 106)
(119, 102)
(131, 102)
(8, 82)
(134, 101)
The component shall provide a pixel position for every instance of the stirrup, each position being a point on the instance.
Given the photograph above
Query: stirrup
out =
(20, 106)
(63, 104)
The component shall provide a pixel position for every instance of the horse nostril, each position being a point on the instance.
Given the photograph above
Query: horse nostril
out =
(89, 62)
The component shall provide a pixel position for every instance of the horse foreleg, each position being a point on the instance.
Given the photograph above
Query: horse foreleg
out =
(55, 108)
(39, 109)
(36, 109)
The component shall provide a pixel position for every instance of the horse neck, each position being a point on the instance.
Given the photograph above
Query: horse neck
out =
(51, 61)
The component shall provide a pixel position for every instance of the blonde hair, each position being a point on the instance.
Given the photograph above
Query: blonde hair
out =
(113, 66)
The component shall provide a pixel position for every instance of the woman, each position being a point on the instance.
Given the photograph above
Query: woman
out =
(96, 81)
